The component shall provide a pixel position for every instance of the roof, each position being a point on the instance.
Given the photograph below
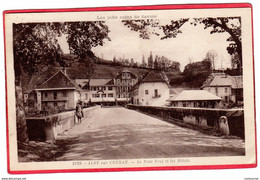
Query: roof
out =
(110, 83)
(195, 95)
(98, 82)
(125, 71)
(153, 76)
(81, 82)
(236, 82)
(221, 81)
(58, 80)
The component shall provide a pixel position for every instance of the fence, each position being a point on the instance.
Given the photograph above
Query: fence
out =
(200, 117)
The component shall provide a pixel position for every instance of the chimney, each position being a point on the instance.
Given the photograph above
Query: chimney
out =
(64, 70)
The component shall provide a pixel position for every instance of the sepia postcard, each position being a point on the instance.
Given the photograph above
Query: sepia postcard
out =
(130, 88)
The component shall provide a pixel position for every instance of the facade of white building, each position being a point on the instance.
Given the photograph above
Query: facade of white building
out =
(101, 91)
(229, 88)
(152, 90)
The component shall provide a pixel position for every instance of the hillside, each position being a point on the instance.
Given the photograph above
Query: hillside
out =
(105, 71)
(78, 71)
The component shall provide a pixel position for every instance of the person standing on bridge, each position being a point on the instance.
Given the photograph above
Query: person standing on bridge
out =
(79, 113)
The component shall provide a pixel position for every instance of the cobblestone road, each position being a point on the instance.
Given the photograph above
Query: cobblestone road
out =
(119, 133)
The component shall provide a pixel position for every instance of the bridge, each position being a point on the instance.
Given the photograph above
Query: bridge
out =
(120, 133)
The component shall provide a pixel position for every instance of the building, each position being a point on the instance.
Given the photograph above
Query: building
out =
(195, 98)
(101, 91)
(229, 88)
(124, 81)
(58, 92)
(152, 90)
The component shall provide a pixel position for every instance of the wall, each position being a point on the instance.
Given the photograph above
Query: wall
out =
(200, 117)
(106, 91)
(149, 99)
(49, 127)
(221, 91)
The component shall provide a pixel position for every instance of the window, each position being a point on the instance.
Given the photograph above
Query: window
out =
(55, 104)
(156, 92)
(64, 94)
(97, 95)
(226, 90)
(93, 95)
(110, 88)
(46, 95)
(55, 95)
(86, 95)
(110, 95)
(146, 92)
(94, 88)
(104, 95)
(103, 88)
(226, 98)
(171, 91)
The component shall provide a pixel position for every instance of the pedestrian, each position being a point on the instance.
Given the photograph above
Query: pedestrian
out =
(79, 113)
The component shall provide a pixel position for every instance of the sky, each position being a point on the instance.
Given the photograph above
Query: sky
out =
(189, 46)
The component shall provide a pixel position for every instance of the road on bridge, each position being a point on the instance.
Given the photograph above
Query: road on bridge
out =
(119, 133)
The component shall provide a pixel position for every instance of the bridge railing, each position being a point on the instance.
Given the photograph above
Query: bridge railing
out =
(49, 127)
(200, 117)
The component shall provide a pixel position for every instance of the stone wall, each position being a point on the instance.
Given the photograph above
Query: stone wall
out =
(200, 117)
(49, 127)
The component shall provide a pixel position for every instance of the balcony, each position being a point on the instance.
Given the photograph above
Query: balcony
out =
(156, 96)
(55, 100)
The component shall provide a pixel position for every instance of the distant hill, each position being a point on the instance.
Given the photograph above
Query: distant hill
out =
(106, 71)
(78, 71)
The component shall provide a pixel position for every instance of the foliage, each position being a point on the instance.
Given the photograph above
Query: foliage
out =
(35, 44)
(145, 28)
(149, 27)
(230, 25)
(83, 35)
(211, 56)
(197, 72)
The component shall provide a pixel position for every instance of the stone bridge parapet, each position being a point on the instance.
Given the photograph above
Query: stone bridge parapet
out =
(48, 127)
(199, 117)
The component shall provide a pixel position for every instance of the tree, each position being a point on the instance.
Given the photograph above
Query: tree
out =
(197, 72)
(149, 27)
(143, 62)
(211, 56)
(150, 61)
(36, 44)
(235, 61)
(174, 66)
(132, 62)
(82, 36)
(114, 59)
(156, 64)
(230, 25)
